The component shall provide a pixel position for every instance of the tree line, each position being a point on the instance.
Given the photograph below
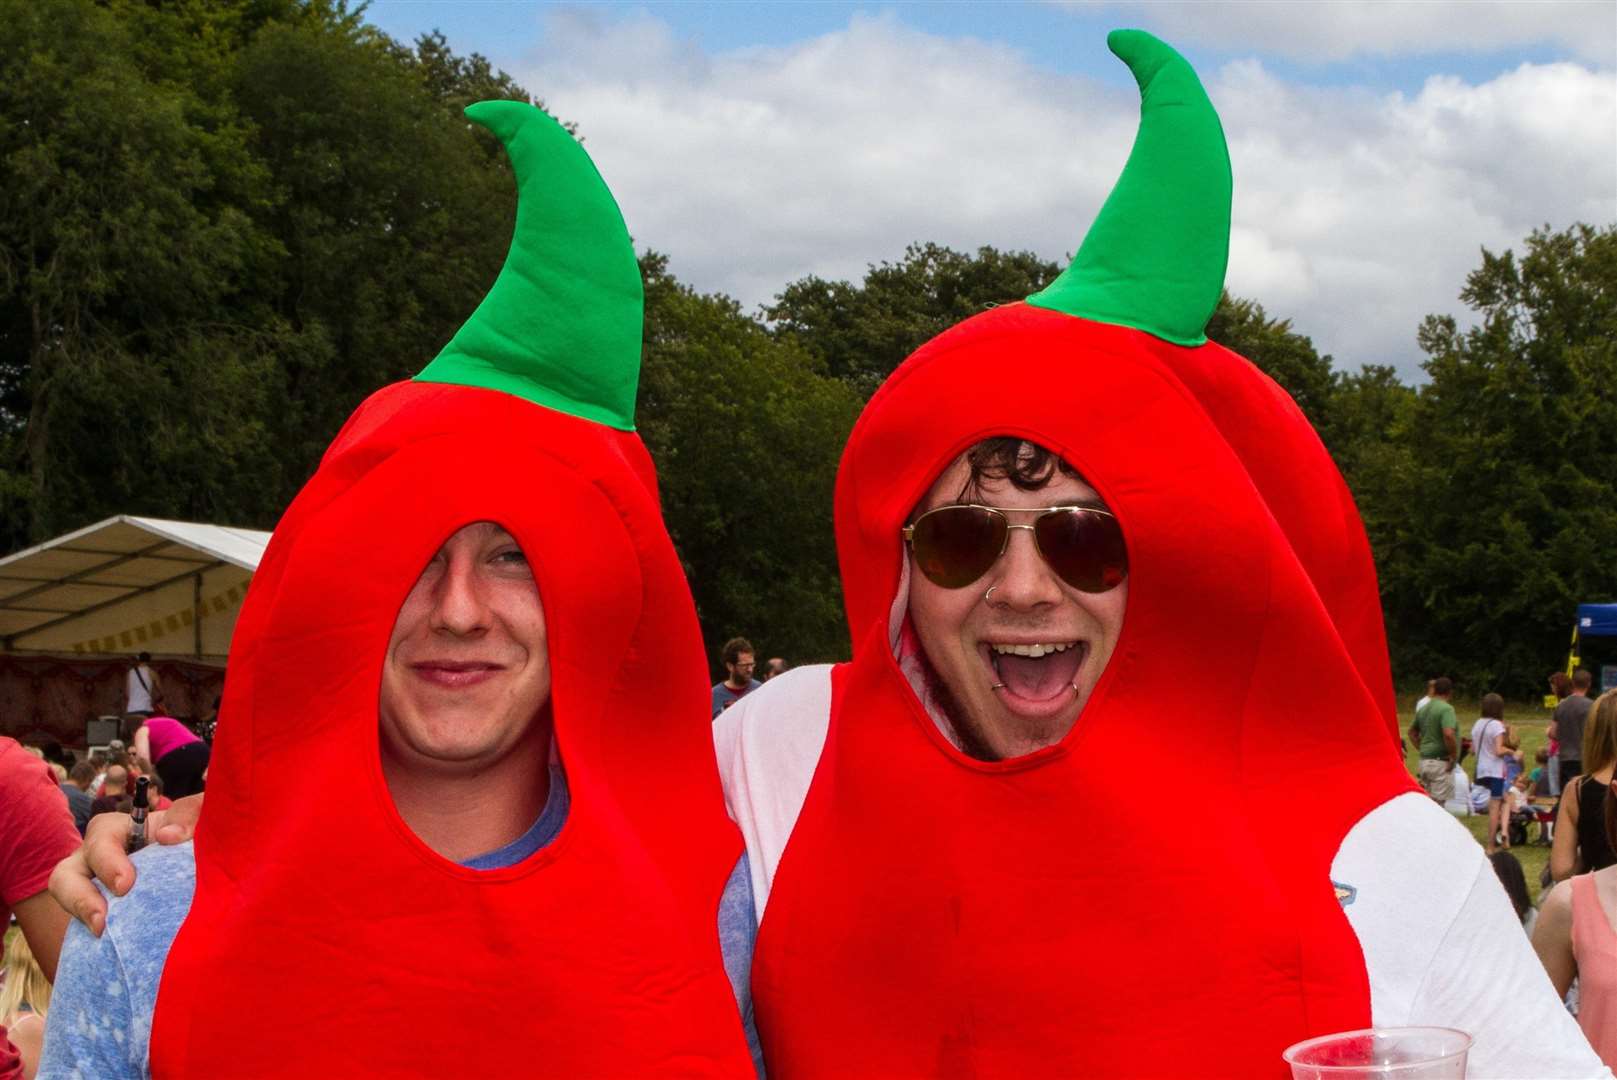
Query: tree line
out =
(223, 224)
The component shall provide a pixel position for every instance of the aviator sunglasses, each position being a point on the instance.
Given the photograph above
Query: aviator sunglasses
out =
(956, 545)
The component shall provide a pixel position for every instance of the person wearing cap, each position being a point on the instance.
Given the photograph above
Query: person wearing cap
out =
(494, 637)
(1072, 532)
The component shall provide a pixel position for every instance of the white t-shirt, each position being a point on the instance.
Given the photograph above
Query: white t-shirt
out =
(138, 689)
(1483, 733)
(1459, 803)
(1441, 942)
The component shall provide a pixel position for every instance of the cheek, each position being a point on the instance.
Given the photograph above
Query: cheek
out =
(939, 615)
(1107, 609)
(1119, 605)
(534, 637)
(412, 615)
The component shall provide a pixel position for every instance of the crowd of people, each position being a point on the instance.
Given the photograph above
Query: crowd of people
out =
(477, 724)
(1574, 925)
(49, 794)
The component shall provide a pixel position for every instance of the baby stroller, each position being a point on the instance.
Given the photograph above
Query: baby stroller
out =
(1519, 820)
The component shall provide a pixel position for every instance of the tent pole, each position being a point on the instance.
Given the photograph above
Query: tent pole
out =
(196, 610)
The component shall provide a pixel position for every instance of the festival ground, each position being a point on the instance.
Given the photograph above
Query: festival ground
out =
(1531, 721)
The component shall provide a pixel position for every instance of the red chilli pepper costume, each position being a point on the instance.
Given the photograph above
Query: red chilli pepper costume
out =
(937, 915)
(596, 956)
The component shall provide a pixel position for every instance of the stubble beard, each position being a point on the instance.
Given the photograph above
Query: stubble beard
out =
(968, 733)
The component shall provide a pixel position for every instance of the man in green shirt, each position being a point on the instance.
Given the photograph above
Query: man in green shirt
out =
(1434, 732)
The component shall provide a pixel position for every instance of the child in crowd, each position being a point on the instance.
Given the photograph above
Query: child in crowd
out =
(1509, 871)
(1488, 740)
(25, 998)
(1519, 808)
(1513, 754)
(1540, 776)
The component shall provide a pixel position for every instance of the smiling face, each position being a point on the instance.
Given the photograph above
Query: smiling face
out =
(1018, 666)
(467, 668)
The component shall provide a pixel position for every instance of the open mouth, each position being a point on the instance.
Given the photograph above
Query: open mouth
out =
(1036, 676)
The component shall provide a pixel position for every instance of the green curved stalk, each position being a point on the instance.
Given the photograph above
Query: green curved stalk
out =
(1155, 257)
(561, 325)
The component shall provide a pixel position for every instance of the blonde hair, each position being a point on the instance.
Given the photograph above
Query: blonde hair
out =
(25, 983)
(1600, 736)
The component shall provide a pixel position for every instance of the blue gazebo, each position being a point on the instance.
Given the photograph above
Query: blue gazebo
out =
(1594, 643)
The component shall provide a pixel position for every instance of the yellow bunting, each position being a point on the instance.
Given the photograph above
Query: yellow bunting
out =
(218, 604)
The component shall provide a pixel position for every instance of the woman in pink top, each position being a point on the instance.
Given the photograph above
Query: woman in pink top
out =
(181, 759)
(1576, 935)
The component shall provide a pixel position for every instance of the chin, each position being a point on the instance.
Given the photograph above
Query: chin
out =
(446, 744)
(1018, 735)
(988, 729)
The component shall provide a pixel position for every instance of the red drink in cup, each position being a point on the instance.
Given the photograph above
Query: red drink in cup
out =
(1412, 1053)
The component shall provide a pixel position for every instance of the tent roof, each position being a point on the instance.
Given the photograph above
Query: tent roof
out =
(129, 583)
(1597, 620)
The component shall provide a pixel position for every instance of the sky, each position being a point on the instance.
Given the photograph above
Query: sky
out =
(1377, 147)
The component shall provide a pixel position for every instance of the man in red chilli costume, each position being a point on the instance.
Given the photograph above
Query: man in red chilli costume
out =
(362, 816)
(1080, 545)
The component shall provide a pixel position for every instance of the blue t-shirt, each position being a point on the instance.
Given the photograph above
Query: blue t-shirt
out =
(100, 1021)
(724, 697)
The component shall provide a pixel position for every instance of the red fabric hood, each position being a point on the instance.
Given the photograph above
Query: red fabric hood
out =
(317, 907)
(1151, 896)
(973, 381)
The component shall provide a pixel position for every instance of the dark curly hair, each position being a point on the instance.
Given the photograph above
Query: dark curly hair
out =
(1027, 465)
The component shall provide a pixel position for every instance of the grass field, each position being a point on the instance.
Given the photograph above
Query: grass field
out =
(1530, 720)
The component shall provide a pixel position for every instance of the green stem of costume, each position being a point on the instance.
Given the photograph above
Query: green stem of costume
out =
(561, 325)
(1155, 257)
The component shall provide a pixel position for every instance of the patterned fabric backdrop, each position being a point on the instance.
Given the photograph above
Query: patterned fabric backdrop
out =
(48, 697)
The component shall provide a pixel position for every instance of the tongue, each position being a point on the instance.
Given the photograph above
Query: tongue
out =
(1040, 679)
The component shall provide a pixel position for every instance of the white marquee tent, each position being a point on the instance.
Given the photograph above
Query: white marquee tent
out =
(129, 584)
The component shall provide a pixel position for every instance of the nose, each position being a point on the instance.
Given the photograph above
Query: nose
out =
(1025, 581)
(459, 605)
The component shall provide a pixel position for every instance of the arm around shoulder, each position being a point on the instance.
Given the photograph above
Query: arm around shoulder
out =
(91, 1017)
(1488, 980)
(1443, 947)
(44, 924)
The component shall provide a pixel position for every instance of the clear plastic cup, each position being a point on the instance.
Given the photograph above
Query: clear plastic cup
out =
(1411, 1053)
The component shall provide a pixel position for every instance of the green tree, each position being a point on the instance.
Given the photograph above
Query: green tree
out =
(1512, 468)
(222, 224)
(115, 253)
(860, 333)
(392, 215)
(458, 81)
(747, 436)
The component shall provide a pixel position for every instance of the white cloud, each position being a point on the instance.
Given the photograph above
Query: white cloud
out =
(1329, 30)
(1355, 213)
(1360, 214)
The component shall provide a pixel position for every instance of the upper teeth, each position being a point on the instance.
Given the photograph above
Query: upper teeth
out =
(1033, 650)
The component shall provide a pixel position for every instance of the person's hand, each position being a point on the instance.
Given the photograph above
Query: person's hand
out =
(103, 858)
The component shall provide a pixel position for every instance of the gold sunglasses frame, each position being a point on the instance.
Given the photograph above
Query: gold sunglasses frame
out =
(908, 531)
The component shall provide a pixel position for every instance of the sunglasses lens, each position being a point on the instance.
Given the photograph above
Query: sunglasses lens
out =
(955, 545)
(1085, 549)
